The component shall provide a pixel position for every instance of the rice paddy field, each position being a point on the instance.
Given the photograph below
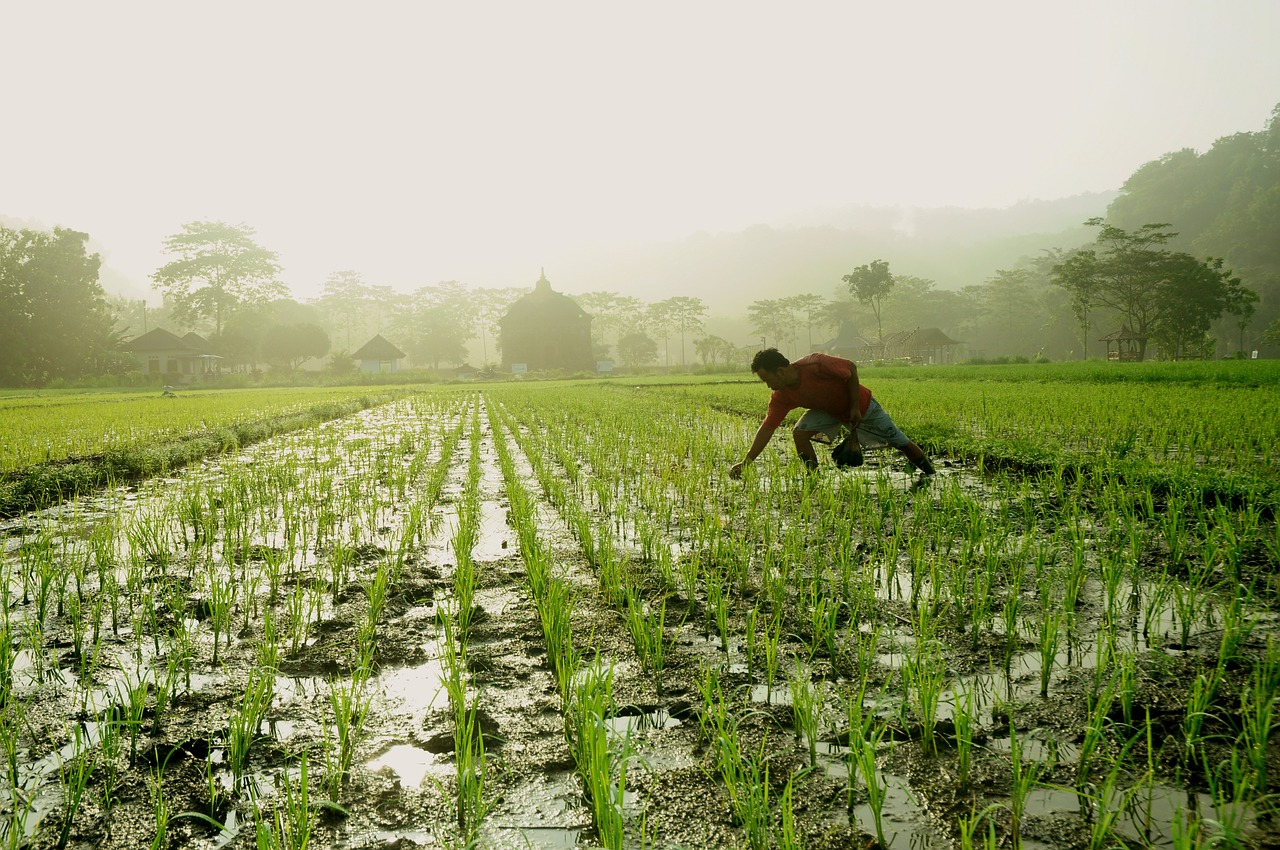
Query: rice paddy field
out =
(543, 616)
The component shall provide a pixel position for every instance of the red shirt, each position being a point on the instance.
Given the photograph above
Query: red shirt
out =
(824, 385)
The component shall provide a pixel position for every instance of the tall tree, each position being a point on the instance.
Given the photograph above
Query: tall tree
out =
(219, 268)
(685, 314)
(870, 284)
(812, 308)
(1147, 286)
(436, 323)
(346, 301)
(54, 319)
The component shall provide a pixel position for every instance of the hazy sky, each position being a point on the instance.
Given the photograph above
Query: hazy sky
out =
(424, 141)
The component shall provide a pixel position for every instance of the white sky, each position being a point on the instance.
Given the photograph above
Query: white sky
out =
(424, 141)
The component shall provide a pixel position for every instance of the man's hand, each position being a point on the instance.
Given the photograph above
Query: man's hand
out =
(855, 417)
(735, 471)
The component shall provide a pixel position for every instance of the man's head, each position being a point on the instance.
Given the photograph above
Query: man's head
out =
(772, 367)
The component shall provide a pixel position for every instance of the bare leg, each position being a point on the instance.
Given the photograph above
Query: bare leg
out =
(916, 455)
(804, 446)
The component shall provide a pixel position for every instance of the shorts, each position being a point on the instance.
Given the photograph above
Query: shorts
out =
(876, 428)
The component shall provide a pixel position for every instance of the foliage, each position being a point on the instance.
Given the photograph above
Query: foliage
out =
(1160, 295)
(54, 319)
(291, 345)
(637, 349)
(219, 269)
(1224, 202)
(870, 284)
(436, 322)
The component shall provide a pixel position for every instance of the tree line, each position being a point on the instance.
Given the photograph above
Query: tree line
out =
(1186, 263)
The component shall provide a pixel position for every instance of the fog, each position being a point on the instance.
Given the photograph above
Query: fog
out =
(423, 142)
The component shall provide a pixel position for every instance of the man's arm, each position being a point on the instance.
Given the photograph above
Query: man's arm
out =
(855, 397)
(763, 434)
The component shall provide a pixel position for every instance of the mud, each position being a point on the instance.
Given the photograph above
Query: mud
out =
(150, 680)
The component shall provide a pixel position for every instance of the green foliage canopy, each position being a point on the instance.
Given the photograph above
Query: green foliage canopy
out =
(54, 318)
(219, 268)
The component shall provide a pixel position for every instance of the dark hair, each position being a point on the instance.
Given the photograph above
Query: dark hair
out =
(770, 360)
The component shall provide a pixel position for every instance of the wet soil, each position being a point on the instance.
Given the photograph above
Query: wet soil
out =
(346, 484)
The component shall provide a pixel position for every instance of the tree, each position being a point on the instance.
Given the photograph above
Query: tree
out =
(490, 305)
(219, 269)
(637, 349)
(292, 345)
(346, 302)
(684, 313)
(712, 348)
(813, 308)
(774, 317)
(870, 284)
(1153, 290)
(437, 322)
(54, 319)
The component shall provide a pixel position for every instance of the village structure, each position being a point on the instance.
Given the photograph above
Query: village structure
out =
(180, 360)
(546, 330)
(922, 346)
(378, 356)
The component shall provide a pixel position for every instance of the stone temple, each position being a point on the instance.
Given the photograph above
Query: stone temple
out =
(546, 330)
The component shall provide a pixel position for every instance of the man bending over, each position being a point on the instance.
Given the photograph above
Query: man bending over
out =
(828, 387)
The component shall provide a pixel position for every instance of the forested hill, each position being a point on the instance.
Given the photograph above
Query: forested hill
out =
(954, 247)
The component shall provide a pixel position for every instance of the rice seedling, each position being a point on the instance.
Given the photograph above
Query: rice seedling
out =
(962, 717)
(590, 702)
(863, 752)
(1199, 703)
(787, 837)
(1050, 631)
(160, 810)
(74, 778)
(1023, 777)
(745, 774)
(648, 635)
(349, 706)
(806, 708)
(925, 674)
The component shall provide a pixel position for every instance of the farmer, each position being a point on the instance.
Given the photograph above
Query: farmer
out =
(828, 386)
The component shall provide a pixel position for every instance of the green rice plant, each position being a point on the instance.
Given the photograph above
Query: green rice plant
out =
(925, 674)
(787, 838)
(555, 612)
(1236, 628)
(746, 779)
(74, 778)
(1050, 631)
(1189, 600)
(1257, 713)
(751, 637)
(806, 708)
(1109, 804)
(590, 703)
(1229, 792)
(294, 819)
(962, 717)
(718, 606)
(648, 635)
(133, 694)
(1187, 831)
(349, 704)
(245, 723)
(1023, 777)
(110, 750)
(221, 596)
(771, 641)
(159, 809)
(863, 752)
(1127, 675)
(1096, 732)
(1199, 703)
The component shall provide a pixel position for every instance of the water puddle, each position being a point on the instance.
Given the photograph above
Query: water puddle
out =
(411, 765)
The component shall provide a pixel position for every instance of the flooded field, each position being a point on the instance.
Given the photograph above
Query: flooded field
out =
(530, 618)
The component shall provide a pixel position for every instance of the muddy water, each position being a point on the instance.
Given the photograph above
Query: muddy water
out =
(299, 495)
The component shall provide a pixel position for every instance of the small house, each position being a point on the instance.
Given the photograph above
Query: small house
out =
(379, 356)
(178, 360)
